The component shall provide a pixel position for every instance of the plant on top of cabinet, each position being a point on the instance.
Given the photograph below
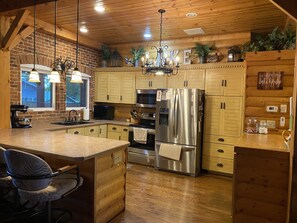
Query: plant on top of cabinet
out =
(202, 51)
(105, 53)
(136, 55)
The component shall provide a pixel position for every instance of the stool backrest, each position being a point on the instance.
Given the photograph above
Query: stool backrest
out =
(2, 159)
(27, 170)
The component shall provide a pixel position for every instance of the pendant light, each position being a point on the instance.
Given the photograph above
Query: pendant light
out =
(76, 75)
(54, 77)
(34, 76)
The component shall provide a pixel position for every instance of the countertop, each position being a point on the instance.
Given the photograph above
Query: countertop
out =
(270, 142)
(42, 139)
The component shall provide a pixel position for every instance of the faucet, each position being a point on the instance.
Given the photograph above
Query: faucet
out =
(71, 120)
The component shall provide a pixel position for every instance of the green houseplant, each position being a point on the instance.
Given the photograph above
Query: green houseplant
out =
(136, 55)
(202, 51)
(105, 53)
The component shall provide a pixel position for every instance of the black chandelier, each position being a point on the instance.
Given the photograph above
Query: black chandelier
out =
(160, 66)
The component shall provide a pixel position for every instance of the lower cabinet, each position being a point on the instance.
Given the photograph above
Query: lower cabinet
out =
(77, 131)
(102, 131)
(93, 131)
(118, 132)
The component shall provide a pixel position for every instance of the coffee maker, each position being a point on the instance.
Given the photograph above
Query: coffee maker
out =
(17, 122)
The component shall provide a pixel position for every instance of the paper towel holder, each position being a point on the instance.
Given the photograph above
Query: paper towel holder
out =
(86, 114)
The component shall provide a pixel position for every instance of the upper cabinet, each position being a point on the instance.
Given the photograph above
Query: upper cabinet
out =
(115, 87)
(187, 79)
(150, 82)
(225, 81)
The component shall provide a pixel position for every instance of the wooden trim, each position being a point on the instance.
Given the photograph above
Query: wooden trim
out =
(8, 5)
(14, 29)
(21, 36)
(63, 33)
(287, 6)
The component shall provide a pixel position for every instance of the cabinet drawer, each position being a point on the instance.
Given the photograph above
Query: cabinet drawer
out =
(220, 139)
(76, 131)
(114, 128)
(92, 131)
(217, 164)
(114, 135)
(218, 150)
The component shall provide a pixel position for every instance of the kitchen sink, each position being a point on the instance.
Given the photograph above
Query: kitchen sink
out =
(71, 123)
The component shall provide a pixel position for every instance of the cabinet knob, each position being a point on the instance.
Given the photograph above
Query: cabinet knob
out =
(125, 130)
(114, 128)
(220, 165)
(221, 139)
(92, 130)
(76, 132)
(220, 150)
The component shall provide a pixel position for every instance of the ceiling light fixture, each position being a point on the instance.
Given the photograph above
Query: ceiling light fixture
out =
(99, 7)
(76, 75)
(161, 65)
(191, 14)
(34, 76)
(54, 77)
(83, 29)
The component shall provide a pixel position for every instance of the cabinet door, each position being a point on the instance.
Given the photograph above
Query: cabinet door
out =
(195, 79)
(128, 88)
(143, 81)
(214, 82)
(102, 131)
(234, 82)
(125, 133)
(114, 87)
(213, 115)
(232, 116)
(92, 131)
(177, 81)
(158, 82)
(76, 131)
(101, 87)
(114, 135)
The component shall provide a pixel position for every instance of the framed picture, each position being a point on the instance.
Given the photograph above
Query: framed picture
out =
(270, 80)
(187, 56)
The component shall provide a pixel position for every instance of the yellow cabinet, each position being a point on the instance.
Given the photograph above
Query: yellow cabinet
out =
(225, 81)
(76, 131)
(187, 79)
(115, 87)
(150, 82)
(92, 131)
(102, 131)
(118, 132)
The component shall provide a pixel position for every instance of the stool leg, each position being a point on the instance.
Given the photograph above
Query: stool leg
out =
(48, 204)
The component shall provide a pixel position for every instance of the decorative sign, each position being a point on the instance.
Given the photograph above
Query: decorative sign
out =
(270, 80)
(187, 54)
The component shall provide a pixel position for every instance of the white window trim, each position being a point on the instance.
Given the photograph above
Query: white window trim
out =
(40, 69)
(84, 77)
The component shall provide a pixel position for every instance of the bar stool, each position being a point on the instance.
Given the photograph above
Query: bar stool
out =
(37, 183)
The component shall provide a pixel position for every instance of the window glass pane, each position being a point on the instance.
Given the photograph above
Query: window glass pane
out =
(76, 94)
(36, 95)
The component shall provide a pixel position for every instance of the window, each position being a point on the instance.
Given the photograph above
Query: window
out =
(37, 96)
(77, 95)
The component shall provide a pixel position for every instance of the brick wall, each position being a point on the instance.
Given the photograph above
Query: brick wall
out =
(87, 57)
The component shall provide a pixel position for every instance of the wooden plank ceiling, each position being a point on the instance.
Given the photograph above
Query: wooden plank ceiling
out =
(125, 21)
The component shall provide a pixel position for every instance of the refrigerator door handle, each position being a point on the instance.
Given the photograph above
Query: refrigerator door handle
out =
(175, 116)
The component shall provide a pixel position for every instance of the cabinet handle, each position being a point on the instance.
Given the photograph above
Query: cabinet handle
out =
(121, 98)
(119, 137)
(222, 82)
(221, 139)
(187, 83)
(221, 105)
(125, 130)
(114, 128)
(76, 132)
(107, 97)
(184, 83)
(92, 130)
(225, 83)
(151, 83)
(220, 165)
(220, 150)
(100, 131)
(224, 105)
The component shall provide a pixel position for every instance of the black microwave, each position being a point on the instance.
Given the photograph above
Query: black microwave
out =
(103, 112)
(146, 98)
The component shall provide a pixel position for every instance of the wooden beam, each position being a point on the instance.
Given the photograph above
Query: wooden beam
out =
(4, 89)
(47, 27)
(8, 5)
(287, 6)
(14, 28)
(21, 36)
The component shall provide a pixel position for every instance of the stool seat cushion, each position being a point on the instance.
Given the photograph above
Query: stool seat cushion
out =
(6, 182)
(54, 191)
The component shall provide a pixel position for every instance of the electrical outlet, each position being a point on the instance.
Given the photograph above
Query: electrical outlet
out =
(271, 108)
(283, 108)
(271, 124)
(282, 121)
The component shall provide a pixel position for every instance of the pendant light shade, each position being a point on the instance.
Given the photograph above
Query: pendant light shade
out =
(54, 77)
(76, 75)
(34, 76)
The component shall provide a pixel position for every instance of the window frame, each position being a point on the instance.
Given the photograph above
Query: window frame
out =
(84, 77)
(41, 70)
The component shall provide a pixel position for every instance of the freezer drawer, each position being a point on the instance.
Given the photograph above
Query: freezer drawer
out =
(189, 163)
(141, 156)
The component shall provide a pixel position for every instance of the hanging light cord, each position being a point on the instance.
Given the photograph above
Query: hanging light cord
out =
(161, 24)
(77, 21)
(55, 41)
(34, 46)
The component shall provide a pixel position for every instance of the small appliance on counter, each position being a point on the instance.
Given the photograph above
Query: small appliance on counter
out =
(103, 112)
(18, 122)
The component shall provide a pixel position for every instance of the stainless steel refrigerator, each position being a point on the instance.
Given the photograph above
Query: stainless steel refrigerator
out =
(179, 122)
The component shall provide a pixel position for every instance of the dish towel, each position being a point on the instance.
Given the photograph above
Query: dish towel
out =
(170, 151)
(140, 135)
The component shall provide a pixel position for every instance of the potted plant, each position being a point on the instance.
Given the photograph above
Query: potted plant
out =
(136, 55)
(105, 53)
(202, 51)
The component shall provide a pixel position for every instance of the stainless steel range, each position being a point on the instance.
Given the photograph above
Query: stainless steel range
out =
(142, 140)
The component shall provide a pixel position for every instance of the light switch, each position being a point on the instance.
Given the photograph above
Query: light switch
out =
(270, 124)
(282, 121)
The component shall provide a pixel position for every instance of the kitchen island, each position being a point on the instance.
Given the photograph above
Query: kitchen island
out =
(261, 179)
(102, 164)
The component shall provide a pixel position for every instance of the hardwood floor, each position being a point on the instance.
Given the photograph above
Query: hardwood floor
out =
(155, 196)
